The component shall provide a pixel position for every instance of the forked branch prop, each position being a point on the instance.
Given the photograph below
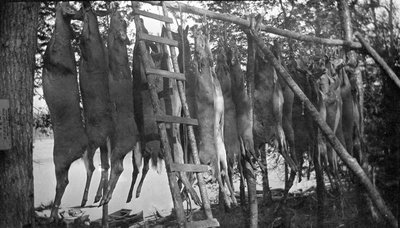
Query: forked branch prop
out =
(350, 161)
(378, 59)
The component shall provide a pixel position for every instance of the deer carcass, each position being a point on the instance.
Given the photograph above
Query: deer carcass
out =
(61, 92)
(93, 76)
(125, 136)
(231, 137)
(149, 139)
(210, 113)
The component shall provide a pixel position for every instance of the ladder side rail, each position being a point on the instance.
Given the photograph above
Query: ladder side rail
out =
(192, 139)
(178, 204)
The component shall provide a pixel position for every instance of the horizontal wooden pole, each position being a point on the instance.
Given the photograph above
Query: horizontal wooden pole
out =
(378, 59)
(177, 6)
(162, 40)
(154, 16)
(350, 161)
(166, 74)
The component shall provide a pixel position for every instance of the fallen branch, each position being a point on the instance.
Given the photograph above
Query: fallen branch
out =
(378, 59)
(177, 6)
(330, 136)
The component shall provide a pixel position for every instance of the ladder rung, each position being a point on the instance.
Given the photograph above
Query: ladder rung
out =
(165, 93)
(144, 36)
(176, 167)
(204, 223)
(165, 73)
(154, 16)
(176, 119)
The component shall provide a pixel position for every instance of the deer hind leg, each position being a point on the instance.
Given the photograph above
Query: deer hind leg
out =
(145, 169)
(241, 164)
(224, 173)
(222, 186)
(116, 170)
(62, 182)
(136, 163)
(88, 161)
(105, 165)
(288, 185)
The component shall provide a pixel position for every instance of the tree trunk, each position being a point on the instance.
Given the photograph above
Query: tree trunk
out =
(18, 29)
(391, 30)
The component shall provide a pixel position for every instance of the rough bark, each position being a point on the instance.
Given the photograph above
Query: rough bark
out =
(18, 27)
(344, 155)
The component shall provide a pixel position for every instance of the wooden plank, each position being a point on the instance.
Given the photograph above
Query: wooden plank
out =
(5, 128)
(157, 39)
(176, 119)
(167, 74)
(154, 16)
(173, 185)
(204, 223)
(191, 136)
(176, 167)
(165, 93)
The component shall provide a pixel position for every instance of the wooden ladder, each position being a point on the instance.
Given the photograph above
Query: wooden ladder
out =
(161, 118)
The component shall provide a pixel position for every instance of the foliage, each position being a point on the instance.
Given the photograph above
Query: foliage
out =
(42, 122)
(312, 17)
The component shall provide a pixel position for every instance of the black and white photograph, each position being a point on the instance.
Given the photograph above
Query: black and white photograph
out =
(192, 114)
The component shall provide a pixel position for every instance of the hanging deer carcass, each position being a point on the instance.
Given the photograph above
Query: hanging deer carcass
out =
(210, 113)
(244, 123)
(268, 113)
(93, 77)
(61, 92)
(230, 130)
(149, 139)
(125, 136)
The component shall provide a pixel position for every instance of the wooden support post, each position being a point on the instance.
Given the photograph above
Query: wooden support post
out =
(330, 136)
(177, 6)
(180, 214)
(191, 136)
(378, 59)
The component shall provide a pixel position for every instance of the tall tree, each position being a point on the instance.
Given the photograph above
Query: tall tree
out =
(18, 42)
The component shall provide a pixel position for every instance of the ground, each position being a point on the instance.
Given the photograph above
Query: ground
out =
(156, 199)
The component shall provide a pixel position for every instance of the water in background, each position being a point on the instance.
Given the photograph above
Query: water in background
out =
(155, 191)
